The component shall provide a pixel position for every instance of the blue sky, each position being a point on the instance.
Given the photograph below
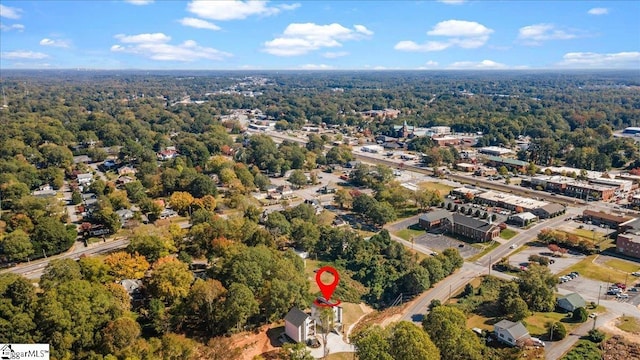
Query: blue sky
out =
(453, 34)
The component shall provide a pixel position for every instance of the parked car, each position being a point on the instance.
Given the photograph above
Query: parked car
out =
(636, 273)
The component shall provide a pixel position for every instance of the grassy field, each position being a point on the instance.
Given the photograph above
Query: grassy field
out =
(629, 324)
(442, 188)
(594, 271)
(536, 322)
(342, 356)
(508, 234)
(408, 233)
(623, 265)
(589, 235)
(407, 211)
(486, 250)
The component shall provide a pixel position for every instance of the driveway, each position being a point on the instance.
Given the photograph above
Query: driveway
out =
(335, 344)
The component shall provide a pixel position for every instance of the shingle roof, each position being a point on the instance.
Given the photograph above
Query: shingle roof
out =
(517, 330)
(471, 222)
(296, 317)
(435, 215)
(574, 299)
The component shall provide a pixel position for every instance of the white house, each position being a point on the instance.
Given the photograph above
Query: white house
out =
(337, 313)
(511, 333)
(298, 325)
(85, 179)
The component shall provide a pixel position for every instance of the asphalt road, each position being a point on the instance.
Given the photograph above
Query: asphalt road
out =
(34, 269)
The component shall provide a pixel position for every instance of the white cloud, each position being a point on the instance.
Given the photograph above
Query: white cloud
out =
(481, 65)
(363, 30)
(538, 33)
(198, 23)
(24, 54)
(335, 54)
(452, 2)
(10, 12)
(460, 33)
(235, 9)
(143, 38)
(598, 11)
(139, 2)
(299, 39)
(55, 42)
(18, 27)
(408, 45)
(429, 65)
(580, 60)
(316, 67)
(156, 47)
(459, 28)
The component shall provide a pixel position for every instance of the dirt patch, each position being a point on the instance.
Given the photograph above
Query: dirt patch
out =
(620, 348)
(260, 341)
(611, 328)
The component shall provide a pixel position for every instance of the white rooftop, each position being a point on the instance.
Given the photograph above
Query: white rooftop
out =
(513, 200)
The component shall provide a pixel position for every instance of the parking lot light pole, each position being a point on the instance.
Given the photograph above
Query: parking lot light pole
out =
(599, 290)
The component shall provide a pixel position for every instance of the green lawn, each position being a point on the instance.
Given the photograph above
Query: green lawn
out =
(594, 271)
(479, 321)
(629, 324)
(623, 265)
(408, 233)
(508, 234)
(442, 188)
(487, 249)
(589, 235)
(536, 322)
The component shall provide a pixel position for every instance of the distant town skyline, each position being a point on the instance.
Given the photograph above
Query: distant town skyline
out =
(319, 35)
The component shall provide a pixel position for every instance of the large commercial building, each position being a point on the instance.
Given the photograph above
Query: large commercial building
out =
(541, 209)
(593, 189)
(628, 244)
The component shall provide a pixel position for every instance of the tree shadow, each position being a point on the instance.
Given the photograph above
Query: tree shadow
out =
(273, 334)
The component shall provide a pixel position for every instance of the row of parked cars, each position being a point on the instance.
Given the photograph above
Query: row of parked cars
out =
(570, 276)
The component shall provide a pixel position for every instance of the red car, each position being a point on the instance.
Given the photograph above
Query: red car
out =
(621, 286)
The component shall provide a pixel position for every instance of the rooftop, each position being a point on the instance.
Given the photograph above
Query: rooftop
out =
(471, 222)
(507, 161)
(296, 317)
(513, 200)
(517, 329)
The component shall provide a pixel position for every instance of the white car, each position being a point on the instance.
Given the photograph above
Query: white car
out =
(622, 296)
(636, 273)
(513, 246)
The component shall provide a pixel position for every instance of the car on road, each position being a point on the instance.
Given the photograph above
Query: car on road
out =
(622, 296)
(635, 289)
(513, 246)
(636, 273)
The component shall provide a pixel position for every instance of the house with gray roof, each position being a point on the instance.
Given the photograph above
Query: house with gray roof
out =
(570, 302)
(298, 325)
(511, 333)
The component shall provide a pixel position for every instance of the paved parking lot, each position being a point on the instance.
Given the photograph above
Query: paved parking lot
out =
(560, 264)
(441, 242)
(589, 289)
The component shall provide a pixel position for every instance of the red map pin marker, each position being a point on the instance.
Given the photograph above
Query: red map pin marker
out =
(327, 289)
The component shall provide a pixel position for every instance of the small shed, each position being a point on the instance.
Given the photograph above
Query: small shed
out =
(570, 302)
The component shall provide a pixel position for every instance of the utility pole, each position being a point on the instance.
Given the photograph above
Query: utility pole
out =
(449, 292)
(44, 253)
(553, 325)
(594, 322)
(490, 264)
(599, 290)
